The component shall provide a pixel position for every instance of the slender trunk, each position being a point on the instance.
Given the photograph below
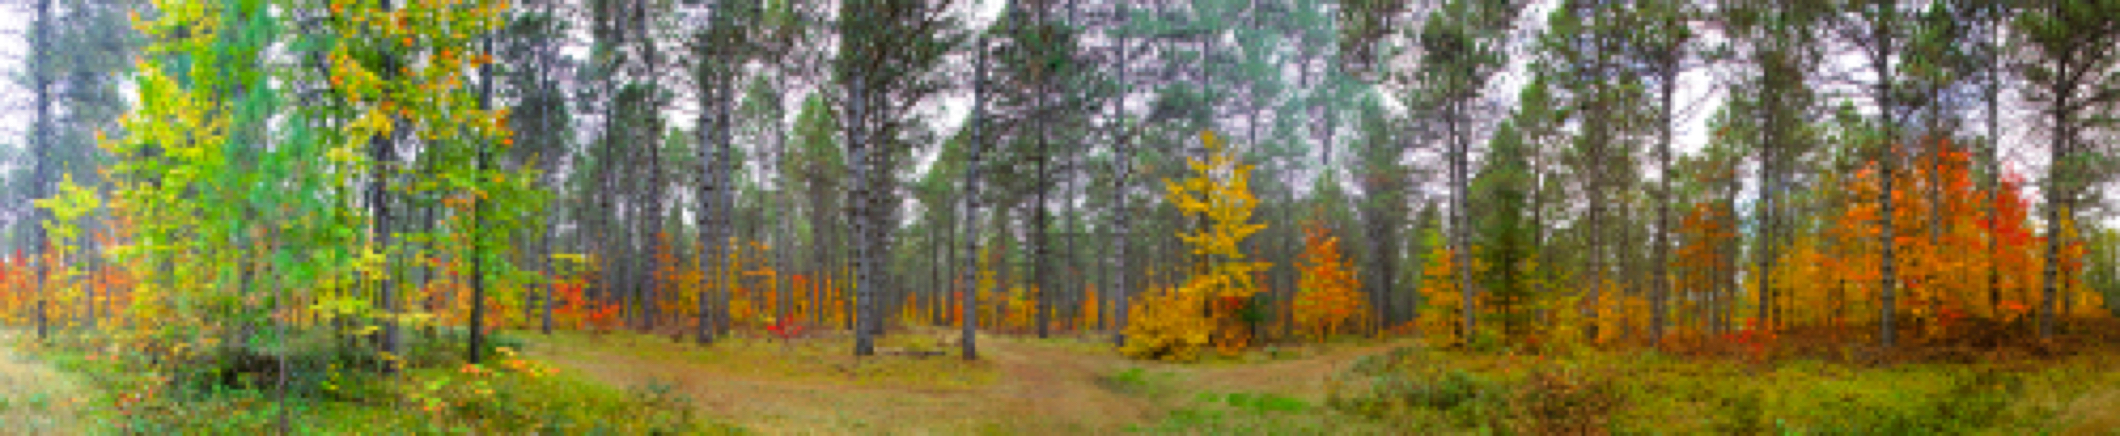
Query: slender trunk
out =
(551, 182)
(1767, 162)
(2057, 193)
(651, 139)
(379, 202)
(1661, 296)
(858, 143)
(1124, 163)
(1459, 147)
(478, 283)
(708, 192)
(42, 154)
(725, 229)
(1887, 236)
(1994, 145)
(784, 258)
(1073, 272)
(969, 302)
(1041, 231)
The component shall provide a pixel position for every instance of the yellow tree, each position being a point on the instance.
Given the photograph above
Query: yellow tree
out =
(1172, 326)
(1442, 304)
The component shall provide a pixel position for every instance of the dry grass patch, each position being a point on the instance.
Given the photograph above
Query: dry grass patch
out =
(819, 360)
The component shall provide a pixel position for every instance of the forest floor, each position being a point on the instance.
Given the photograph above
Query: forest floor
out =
(1067, 384)
(1078, 384)
(35, 398)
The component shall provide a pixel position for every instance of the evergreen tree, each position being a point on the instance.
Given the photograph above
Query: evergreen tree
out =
(2071, 72)
(1462, 47)
(1505, 235)
(1384, 180)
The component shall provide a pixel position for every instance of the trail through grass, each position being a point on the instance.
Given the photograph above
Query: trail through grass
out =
(813, 387)
(1020, 385)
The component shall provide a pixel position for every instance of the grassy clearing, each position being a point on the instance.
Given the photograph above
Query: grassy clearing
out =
(812, 386)
(815, 360)
(1068, 384)
(626, 383)
(34, 397)
(1648, 393)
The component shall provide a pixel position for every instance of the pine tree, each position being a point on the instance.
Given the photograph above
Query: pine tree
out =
(1504, 234)
(889, 54)
(1462, 47)
(2071, 72)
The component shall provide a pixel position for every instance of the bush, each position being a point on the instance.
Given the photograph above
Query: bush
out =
(1468, 398)
(1167, 325)
(314, 358)
(508, 396)
(1743, 413)
(1563, 400)
(1973, 402)
(447, 347)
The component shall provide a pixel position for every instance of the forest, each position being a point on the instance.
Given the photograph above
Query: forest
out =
(1060, 217)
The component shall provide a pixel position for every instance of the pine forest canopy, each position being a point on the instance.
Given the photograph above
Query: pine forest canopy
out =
(1181, 175)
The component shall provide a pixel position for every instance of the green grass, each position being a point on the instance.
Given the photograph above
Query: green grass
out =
(437, 394)
(1647, 393)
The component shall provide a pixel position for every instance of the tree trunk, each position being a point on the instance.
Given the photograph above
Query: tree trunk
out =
(969, 302)
(709, 187)
(1767, 161)
(381, 209)
(478, 283)
(1123, 162)
(1458, 217)
(865, 291)
(2056, 194)
(41, 153)
(1887, 236)
(1660, 296)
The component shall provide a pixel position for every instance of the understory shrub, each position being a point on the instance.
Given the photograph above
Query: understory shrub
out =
(1974, 400)
(1400, 382)
(1566, 400)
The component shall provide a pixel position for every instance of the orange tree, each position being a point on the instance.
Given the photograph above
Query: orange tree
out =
(1329, 297)
(1442, 305)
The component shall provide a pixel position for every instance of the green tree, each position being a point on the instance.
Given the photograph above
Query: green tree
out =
(1880, 29)
(544, 117)
(1585, 52)
(2070, 72)
(1384, 179)
(1664, 41)
(1462, 47)
(890, 54)
(1782, 44)
(1505, 236)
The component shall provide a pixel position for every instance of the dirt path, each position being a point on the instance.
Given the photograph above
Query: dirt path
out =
(1061, 385)
(35, 399)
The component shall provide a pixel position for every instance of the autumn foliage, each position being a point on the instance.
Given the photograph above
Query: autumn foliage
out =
(1330, 299)
(1173, 324)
